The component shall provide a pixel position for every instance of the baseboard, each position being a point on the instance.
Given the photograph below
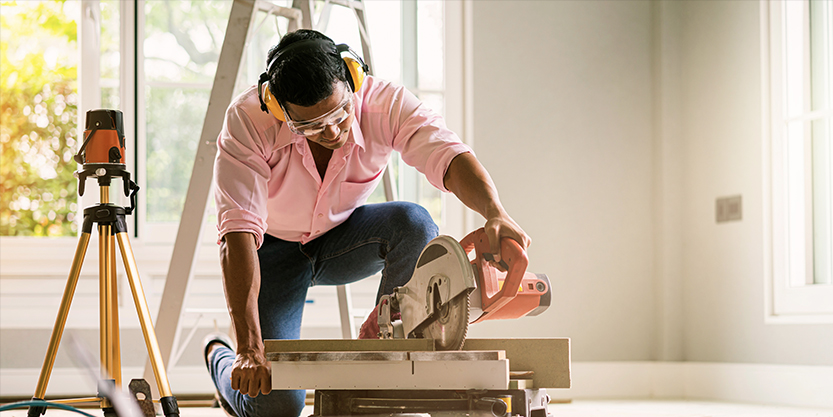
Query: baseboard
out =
(804, 386)
(622, 380)
(787, 385)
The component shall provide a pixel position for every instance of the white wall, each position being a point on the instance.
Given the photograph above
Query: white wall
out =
(563, 122)
(723, 154)
(618, 125)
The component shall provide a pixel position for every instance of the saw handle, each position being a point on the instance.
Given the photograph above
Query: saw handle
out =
(491, 258)
(513, 259)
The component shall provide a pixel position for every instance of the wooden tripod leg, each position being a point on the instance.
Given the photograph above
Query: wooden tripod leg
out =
(60, 322)
(169, 406)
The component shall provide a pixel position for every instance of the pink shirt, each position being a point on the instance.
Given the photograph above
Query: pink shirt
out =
(265, 176)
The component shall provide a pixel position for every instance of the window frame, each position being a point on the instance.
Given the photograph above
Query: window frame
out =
(410, 182)
(790, 295)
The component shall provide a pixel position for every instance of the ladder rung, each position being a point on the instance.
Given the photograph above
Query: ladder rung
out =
(346, 3)
(287, 12)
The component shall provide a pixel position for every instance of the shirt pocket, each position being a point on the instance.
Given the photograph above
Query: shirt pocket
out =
(355, 194)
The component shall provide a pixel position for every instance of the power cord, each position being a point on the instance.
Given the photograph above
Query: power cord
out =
(41, 403)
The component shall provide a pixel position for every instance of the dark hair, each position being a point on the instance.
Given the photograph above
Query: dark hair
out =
(304, 76)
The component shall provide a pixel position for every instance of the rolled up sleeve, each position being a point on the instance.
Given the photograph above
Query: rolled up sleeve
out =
(422, 138)
(241, 173)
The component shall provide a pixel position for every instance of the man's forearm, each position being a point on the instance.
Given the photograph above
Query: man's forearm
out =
(471, 183)
(241, 280)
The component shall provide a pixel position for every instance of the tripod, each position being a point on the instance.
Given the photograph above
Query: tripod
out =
(111, 228)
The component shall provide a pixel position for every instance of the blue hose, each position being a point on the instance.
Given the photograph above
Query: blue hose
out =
(38, 403)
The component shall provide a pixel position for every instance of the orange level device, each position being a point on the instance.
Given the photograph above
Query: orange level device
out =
(103, 138)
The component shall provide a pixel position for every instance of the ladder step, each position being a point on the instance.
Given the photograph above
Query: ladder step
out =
(347, 3)
(274, 9)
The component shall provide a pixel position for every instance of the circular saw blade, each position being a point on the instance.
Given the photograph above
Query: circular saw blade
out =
(449, 327)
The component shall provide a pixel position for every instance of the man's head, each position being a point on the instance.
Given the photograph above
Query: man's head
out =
(309, 80)
(306, 73)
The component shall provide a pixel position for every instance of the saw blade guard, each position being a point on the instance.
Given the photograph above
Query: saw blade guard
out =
(504, 295)
(442, 273)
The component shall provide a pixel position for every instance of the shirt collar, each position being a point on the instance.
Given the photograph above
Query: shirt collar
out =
(285, 136)
(356, 132)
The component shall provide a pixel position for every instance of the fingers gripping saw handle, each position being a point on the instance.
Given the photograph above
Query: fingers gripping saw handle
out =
(513, 258)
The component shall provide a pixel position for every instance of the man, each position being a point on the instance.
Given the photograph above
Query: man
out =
(294, 167)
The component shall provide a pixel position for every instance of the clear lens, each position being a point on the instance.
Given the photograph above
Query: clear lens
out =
(312, 129)
(317, 125)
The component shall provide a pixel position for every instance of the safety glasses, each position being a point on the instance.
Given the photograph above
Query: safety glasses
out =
(315, 126)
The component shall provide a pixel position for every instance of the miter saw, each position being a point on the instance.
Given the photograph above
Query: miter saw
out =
(448, 291)
(421, 361)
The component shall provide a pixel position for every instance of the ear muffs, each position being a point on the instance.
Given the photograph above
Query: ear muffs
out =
(270, 103)
(356, 68)
(355, 71)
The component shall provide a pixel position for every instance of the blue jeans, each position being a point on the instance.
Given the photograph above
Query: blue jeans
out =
(386, 236)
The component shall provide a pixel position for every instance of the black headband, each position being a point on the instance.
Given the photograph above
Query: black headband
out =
(325, 45)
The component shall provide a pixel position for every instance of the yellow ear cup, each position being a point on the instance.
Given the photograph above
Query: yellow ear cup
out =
(272, 103)
(356, 72)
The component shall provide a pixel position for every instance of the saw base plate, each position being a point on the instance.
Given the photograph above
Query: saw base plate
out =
(436, 403)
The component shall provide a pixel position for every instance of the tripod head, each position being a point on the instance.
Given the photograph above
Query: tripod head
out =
(102, 153)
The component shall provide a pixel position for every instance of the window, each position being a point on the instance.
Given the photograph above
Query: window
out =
(38, 116)
(178, 46)
(800, 64)
(180, 49)
(409, 51)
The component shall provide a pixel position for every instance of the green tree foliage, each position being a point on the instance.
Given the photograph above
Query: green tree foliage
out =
(38, 118)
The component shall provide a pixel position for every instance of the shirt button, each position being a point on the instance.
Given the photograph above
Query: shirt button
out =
(317, 232)
(320, 215)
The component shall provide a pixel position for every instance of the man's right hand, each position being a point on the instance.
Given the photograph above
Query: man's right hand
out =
(251, 374)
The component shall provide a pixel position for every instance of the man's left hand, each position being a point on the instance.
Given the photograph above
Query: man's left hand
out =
(500, 225)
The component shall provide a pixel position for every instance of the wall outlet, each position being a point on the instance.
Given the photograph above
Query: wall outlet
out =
(729, 208)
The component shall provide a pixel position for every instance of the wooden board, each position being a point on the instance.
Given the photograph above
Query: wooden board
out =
(391, 374)
(548, 358)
